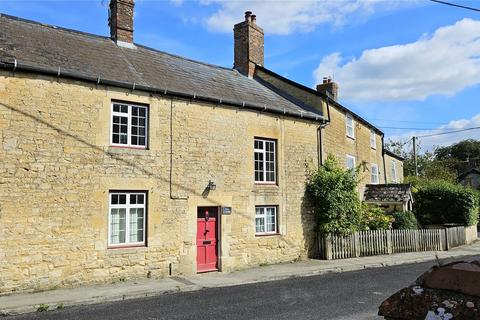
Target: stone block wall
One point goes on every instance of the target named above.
(336, 142)
(57, 168)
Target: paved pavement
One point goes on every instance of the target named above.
(353, 295)
(24, 303)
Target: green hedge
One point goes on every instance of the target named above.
(404, 220)
(440, 202)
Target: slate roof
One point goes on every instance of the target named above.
(97, 57)
(388, 193)
(394, 155)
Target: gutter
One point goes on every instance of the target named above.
(60, 73)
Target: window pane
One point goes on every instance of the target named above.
(116, 108)
(136, 225)
(117, 226)
(259, 225)
(124, 109)
(122, 199)
(114, 198)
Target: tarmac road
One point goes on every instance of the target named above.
(352, 295)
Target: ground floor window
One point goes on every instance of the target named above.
(127, 216)
(266, 220)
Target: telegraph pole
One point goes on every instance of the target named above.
(415, 155)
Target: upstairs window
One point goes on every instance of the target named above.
(350, 126)
(374, 174)
(265, 161)
(394, 171)
(127, 218)
(350, 162)
(373, 139)
(129, 125)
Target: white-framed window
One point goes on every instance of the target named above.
(374, 174)
(350, 126)
(350, 162)
(373, 139)
(127, 218)
(394, 171)
(266, 220)
(129, 125)
(265, 160)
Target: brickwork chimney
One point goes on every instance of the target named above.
(248, 45)
(121, 20)
(329, 88)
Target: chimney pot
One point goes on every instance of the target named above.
(248, 15)
(328, 87)
(254, 18)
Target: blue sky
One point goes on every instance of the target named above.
(402, 64)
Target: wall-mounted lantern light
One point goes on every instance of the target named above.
(211, 185)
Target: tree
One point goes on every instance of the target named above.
(336, 204)
(460, 156)
(429, 167)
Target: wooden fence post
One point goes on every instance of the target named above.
(328, 247)
(357, 244)
(389, 242)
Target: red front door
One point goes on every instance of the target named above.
(207, 239)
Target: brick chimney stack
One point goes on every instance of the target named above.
(329, 88)
(121, 20)
(248, 45)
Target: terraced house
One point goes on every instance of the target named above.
(121, 161)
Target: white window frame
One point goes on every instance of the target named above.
(263, 151)
(375, 174)
(354, 161)
(394, 171)
(373, 139)
(129, 124)
(264, 218)
(127, 208)
(350, 125)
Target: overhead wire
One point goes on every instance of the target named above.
(456, 5)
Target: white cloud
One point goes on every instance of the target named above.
(443, 63)
(286, 17)
(428, 143)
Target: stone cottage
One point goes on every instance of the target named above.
(121, 161)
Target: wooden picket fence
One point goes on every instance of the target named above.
(377, 242)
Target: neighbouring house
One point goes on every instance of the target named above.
(390, 197)
(393, 165)
(122, 161)
(470, 178)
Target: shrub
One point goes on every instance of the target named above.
(374, 218)
(404, 220)
(332, 192)
(440, 202)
